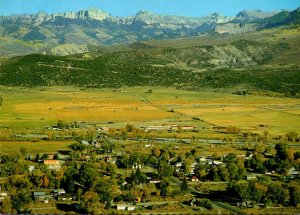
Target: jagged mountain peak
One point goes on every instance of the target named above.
(40, 16)
(92, 13)
(41, 13)
(252, 15)
(96, 13)
(250, 11)
(96, 27)
(215, 14)
(144, 12)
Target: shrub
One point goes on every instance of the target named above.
(232, 130)
(206, 203)
(292, 136)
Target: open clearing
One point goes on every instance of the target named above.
(41, 107)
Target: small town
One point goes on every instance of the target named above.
(151, 169)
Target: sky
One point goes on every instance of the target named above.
(194, 8)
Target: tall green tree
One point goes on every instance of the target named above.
(281, 151)
(184, 185)
(88, 174)
(294, 189)
(20, 199)
(164, 187)
(243, 190)
(165, 170)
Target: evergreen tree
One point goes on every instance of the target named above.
(184, 185)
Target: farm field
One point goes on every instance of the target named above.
(42, 107)
(8, 147)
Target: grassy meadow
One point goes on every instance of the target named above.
(7, 147)
(41, 107)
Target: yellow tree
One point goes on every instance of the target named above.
(6, 207)
(90, 202)
(45, 181)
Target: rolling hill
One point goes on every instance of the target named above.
(261, 62)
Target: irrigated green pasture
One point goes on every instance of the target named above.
(41, 107)
(7, 147)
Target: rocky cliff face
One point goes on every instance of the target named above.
(236, 28)
(41, 17)
(97, 27)
(153, 23)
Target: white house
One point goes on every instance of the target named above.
(59, 191)
(137, 166)
(148, 146)
(194, 179)
(3, 195)
(84, 142)
(154, 181)
(179, 164)
(218, 163)
(31, 168)
(130, 207)
(293, 171)
(251, 176)
(202, 159)
(121, 207)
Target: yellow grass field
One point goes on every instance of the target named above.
(41, 107)
(248, 112)
(36, 108)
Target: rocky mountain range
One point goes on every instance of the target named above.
(73, 32)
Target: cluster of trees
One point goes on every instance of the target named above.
(130, 131)
(89, 182)
(278, 159)
(65, 125)
(20, 185)
(49, 135)
(292, 136)
(87, 176)
(159, 159)
(263, 190)
(233, 169)
(260, 93)
(12, 165)
(232, 130)
(138, 177)
(100, 146)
